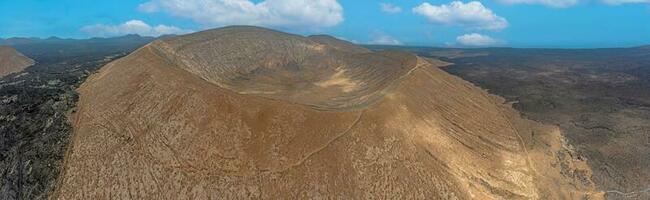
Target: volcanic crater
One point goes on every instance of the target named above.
(247, 113)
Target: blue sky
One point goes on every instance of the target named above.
(517, 23)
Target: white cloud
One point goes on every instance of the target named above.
(569, 3)
(476, 40)
(390, 8)
(470, 15)
(295, 14)
(550, 3)
(383, 39)
(131, 27)
(619, 2)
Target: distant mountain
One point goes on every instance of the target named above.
(56, 40)
(55, 47)
(644, 47)
(12, 61)
(18, 40)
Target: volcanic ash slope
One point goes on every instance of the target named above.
(251, 113)
(12, 61)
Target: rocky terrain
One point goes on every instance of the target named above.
(12, 61)
(35, 105)
(252, 113)
(599, 97)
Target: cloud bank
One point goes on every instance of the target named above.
(292, 14)
(619, 2)
(131, 27)
(549, 3)
(383, 39)
(477, 40)
(471, 15)
(569, 3)
(390, 8)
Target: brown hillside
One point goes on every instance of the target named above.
(338, 44)
(12, 61)
(250, 113)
